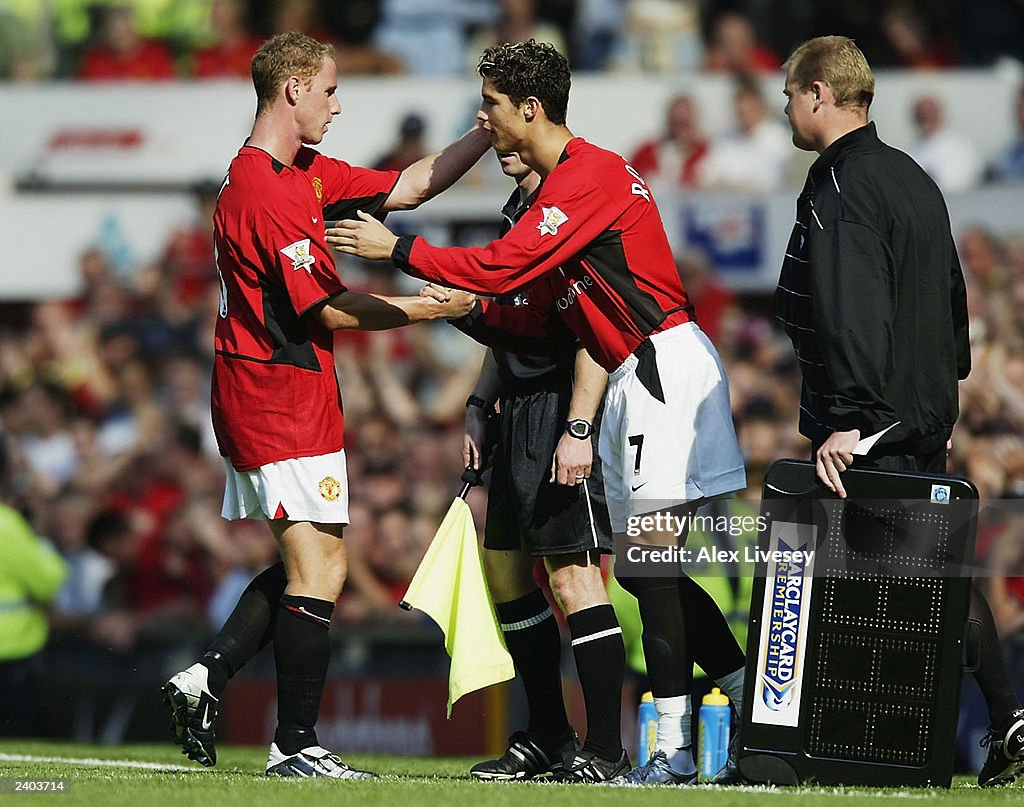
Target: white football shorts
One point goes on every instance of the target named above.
(657, 454)
(304, 489)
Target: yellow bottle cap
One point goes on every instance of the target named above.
(716, 698)
(647, 697)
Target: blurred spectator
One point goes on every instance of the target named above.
(396, 551)
(88, 543)
(121, 53)
(659, 36)
(427, 35)
(596, 33)
(253, 549)
(754, 155)
(709, 298)
(1010, 165)
(65, 352)
(1001, 540)
(27, 50)
(298, 15)
(354, 53)
(949, 157)
(354, 23)
(30, 577)
(517, 22)
(47, 442)
(188, 264)
(234, 42)
(408, 148)
(734, 47)
(981, 254)
(676, 156)
(908, 34)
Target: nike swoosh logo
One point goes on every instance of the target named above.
(315, 219)
(206, 719)
(635, 488)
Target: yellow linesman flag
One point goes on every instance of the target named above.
(449, 587)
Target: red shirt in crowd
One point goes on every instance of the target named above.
(650, 160)
(226, 61)
(150, 60)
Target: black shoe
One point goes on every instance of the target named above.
(524, 759)
(1005, 751)
(730, 773)
(592, 769)
(656, 771)
(193, 714)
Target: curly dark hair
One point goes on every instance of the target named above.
(524, 69)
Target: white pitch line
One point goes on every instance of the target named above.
(99, 763)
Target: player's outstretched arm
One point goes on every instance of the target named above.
(431, 175)
(366, 237)
(353, 310)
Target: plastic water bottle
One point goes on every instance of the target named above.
(647, 729)
(715, 715)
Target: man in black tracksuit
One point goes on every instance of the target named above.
(872, 296)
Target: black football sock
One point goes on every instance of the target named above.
(991, 674)
(669, 665)
(247, 630)
(708, 634)
(533, 640)
(601, 664)
(302, 649)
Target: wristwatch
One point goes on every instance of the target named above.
(579, 428)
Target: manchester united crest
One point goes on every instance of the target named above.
(318, 186)
(330, 488)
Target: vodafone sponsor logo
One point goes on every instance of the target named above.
(577, 288)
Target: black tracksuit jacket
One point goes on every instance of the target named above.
(872, 295)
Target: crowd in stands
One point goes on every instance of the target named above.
(755, 154)
(96, 40)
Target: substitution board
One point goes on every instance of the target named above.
(858, 628)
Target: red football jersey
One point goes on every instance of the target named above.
(275, 392)
(595, 230)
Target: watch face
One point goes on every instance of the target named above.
(579, 428)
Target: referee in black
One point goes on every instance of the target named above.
(546, 500)
(872, 296)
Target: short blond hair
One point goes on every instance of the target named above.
(837, 61)
(288, 54)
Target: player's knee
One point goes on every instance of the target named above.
(323, 580)
(578, 587)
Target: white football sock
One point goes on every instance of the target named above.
(674, 732)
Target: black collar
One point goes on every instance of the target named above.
(864, 138)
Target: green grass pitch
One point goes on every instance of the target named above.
(99, 775)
